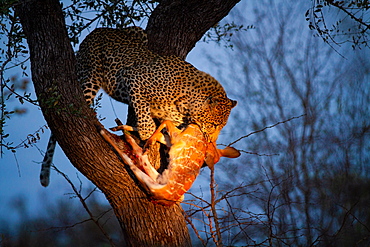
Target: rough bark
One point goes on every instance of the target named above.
(175, 26)
(75, 125)
(61, 100)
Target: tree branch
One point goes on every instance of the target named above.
(175, 26)
(180, 24)
(74, 125)
(352, 16)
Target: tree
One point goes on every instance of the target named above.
(339, 22)
(308, 183)
(173, 28)
(62, 222)
(319, 166)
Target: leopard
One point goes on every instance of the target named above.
(155, 88)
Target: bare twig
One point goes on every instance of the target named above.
(31, 138)
(83, 202)
(258, 154)
(352, 16)
(212, 187)
(3, 84)
(188, 220)
(268, 127)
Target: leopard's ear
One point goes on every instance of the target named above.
(212, 101)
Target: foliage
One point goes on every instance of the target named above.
(338, 22)
(104, 13)
(79, 16)
(64, 223)
(84, 14)
(13, 54)
(223, 33)
(315, 191)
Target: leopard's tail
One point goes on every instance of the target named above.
(46, 163)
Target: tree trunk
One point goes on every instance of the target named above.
(75, 125)
(176, 26)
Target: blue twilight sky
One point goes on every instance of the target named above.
(19, 176)
(19, 173)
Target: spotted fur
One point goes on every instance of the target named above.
(161, 87)
(46, 163)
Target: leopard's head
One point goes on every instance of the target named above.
(214, 115)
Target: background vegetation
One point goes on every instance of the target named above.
(302, 122)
